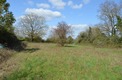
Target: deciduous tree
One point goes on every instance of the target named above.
(62, 31)
(107, 13)
(32, 25)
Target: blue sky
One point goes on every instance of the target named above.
(78, 13)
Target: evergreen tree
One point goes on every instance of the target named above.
(119, 24)
(7, 36)
(6, 17)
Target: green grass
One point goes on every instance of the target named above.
(74, 62)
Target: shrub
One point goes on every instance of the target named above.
(82, 37)
(35, 39)
(38, 39)
(70, 40)
(100, 41)
(113, 41)
(51, 40)
(9, 40)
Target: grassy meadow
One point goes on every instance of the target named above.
(42, 61)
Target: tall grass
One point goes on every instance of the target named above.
(68, 63)
(5, 54)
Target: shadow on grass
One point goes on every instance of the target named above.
(69, 46)
(31, 50)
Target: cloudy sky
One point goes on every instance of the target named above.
(78, 13)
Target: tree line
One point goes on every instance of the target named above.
(32, 27)
(109, 30)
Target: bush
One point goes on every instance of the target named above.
(70, 40)
(9, 40)
(82, 37)
(113, 41)
(36, 39)
(100, 41)
(51, 40)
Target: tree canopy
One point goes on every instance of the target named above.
(62, 31)
(6, 17)
(32, 26)
(7, 36)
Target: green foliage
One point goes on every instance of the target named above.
(82, 37)
(38, 39)
(9, 20)
(9, 40)
(35, 39)
(7, 36)
(119, 24)
(89, 35)
(100, 41)
(103, 41)
(70, 40)
(6, 17)
(95, 36)
(51, 40)
(29, 71)
(114, 40)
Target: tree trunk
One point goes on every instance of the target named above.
(32, 34)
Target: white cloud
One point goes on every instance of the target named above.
(76, 27)
(48, 14)
(59, 4)
(43, 5)
(30, 2)
(79, 28)
(77, 6)
(74, 6)
(86, 1)
(70, 3)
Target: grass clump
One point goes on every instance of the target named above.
(5, 54)
(30, 70)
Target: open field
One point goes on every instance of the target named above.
(74, 62)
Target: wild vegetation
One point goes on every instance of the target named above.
(61, 32)
(108, 31)
(73, 62)
(7, 36)
(96, 54)
(5, 54)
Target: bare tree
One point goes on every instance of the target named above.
(107, 14)
(62, 31)
(32, 25)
